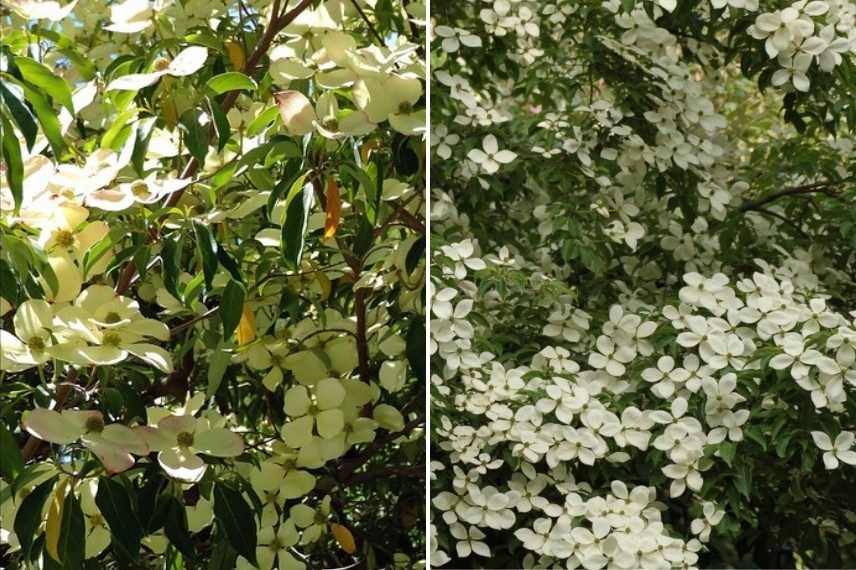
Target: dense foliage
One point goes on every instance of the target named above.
(643, 287)
(211, 284)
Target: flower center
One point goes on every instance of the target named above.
(64, 238)
(275, 545)
(331, 124)
(404, 108)
(140, 189)
(185, 439)
(112, 339)
(161, 63)
(36, 344)
(94, 424)
(112, 317)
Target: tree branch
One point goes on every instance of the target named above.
(819, 187)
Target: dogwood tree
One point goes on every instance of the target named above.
(211, 284)
(642, 290)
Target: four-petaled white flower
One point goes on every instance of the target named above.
(836, 451)
(490, 158)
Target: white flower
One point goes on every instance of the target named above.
(491, 157)
(470, 541)
(113, 443)
(187, 62)
(179, 439)
(839, 450)
(453, 38)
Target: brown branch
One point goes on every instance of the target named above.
(416, 471)
(819, 187)
(347, 469)
(362, 343)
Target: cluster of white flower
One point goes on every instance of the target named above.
(805, 33)
(551, 416)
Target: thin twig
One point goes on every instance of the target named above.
(367, 21)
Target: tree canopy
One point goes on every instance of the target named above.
(642, 287)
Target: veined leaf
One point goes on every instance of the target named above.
(14, 163)
(114, 503)
(208, 250)
(41, 76)
(230, 81)
(294, 228)
(235, 518)
(231, 308)
(29, 515)
(53, 526)
(21, 114)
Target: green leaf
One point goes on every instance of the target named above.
(41, 76)
(292, 181)
(29, 515)
(224, 556)
(294, 228)
(8, 284)
(95, 253)
(12, 463)
(230, 81)
(114, 502)
(175, 528)
(236, 519)
(72, 537)
(218, 362)
(368, 187)
(416, 348)
(47, 119)
(195, 135)
(230, 263)
(113, 138)
(21, 114)
(171, 259)
(727, 451)
(231, 306)
(13, 162)
(261, 122)
(221, 124)
(208, 250)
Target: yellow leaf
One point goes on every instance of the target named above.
(54, 522)
(334, 208)
(236, 55)
(344, 538)
(246, 327)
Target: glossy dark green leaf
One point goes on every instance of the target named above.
(13, 162)
(114, 502)
(171, 261)
(218, 362)
(231, 306)
(47, 119)
(230, 263)
(175, 528)
(8, 284)
(29, 515)
(230, 81)
(294, 228)
(145, 128)
(195, 135)
(415, 348)
(41, 76)
(11, 462)
(224, 556)
(72, 537)
(207, 250)
(235, 518)
(292, 178)
(21, 114)
(221, 124)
